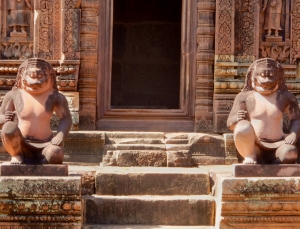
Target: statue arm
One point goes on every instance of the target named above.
(6, 109)
(238, 111)
(28, 4)
(63, 113)
(264, 6)
(293, 113)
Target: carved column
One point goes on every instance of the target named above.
(88, 70)
(295, 33)
(205, 63)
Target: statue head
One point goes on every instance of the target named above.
(36, 76)
(265, 76)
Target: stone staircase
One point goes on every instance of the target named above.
(150, 198)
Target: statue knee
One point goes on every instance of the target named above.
(54, 154)
(243, 129)
(288, 155)
(9, 129)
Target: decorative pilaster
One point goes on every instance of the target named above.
(88, 70)
(205, 63)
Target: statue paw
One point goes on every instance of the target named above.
(249, 161)
(16, 160)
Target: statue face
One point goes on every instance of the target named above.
(265, 80)
(36, 80)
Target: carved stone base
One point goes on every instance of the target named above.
(40, 225)
(162, 149)
(266, 170)
(42, 202)
(257, 202)
(7, 169)
(17, 36)
(273, 39)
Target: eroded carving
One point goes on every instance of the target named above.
(17, 18)
(272, 10)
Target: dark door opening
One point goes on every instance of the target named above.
(146, 54)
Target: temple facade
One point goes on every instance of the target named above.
(150, 66)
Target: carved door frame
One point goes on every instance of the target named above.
(181, 119)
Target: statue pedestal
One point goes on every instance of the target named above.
(273, 39)
(7, 169)
(240, 170)
(39, 201)
(17, 37)
(252, 202)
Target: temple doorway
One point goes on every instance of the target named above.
(146, 52)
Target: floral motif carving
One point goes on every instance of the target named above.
(57, 29)
(295, 52)
(224, 37)
(71, 42)
(244, 31)
(204, 124)
(45, 39)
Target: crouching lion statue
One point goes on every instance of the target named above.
(257, 116)
(26, 112)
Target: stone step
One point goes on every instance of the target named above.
(144, 227)
(154, 210)
(152, 181)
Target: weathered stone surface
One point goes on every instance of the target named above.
(90, 4)
(180, 159)
(208, 160)
(80, 144)
(194, 210)
(87, 174)
(177, 147)
(230, 150)
(141, 158)
(144, 227)
(207, 145)
(21, 208)
(134, 146)
(177, 141)
(7, 169)
(40, 202)
(281, 170)
(182, 149)
(230, 160)
(148, 181)
(257, 202)
(176, 136)
(22, 225)
(37, 187)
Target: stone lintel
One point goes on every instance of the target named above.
(7, 169)
(291, 170)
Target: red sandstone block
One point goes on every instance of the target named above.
(7, 169)
(241, 170)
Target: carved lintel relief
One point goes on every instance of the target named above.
(205, 63)
(275, 36)
(16, 23)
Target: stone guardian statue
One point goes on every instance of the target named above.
(257, 114)
(33, 99)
